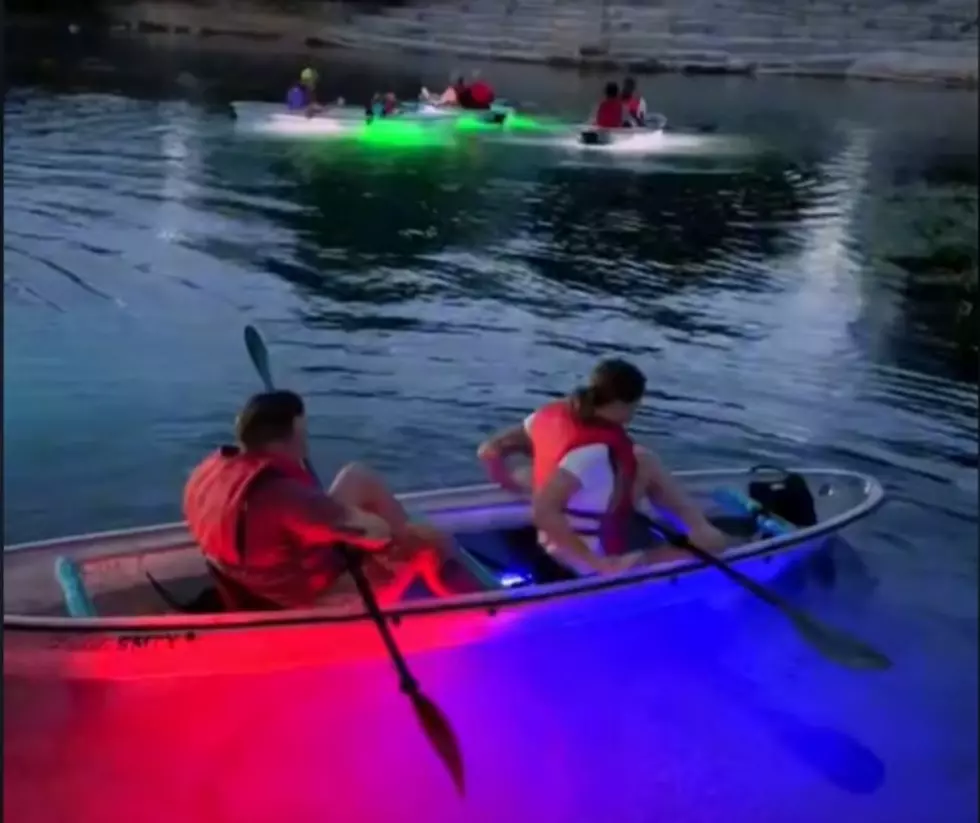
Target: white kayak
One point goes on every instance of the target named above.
(593, 136)
(83, 607)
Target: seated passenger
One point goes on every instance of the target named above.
(301, 98)
(611, 113)
(587, 475)
(450, 97)
(478, 95)
(382, 105)
(636, 106)
(262, 521)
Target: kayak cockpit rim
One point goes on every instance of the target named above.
(491, 601)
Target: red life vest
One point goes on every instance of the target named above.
(481, 95)
(272, 567)
(633, 106)
(555, 431)
(609, 114)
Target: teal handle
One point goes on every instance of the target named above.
(73, 587)
(738, 504)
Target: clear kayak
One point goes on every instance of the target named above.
(50, 631)
(275, 118)
(116, 707)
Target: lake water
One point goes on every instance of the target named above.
(423, 296)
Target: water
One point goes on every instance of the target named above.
(423, 297)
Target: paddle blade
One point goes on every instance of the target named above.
(441, 737)
(839, 646)
(259, 355)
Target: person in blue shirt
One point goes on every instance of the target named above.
(302, 96)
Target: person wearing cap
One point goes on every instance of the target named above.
(263, 523)
(302, 96)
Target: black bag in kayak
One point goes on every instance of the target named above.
(784, 494)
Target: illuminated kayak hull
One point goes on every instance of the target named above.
(273, 118)
(595, 137)
(140, 714)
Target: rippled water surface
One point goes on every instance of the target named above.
(424, 296)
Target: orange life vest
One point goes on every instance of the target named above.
(555, 431)
(272, 566)
(632, 105)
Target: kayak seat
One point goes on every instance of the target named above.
(226, 595)
(69, 577)
(516, 554)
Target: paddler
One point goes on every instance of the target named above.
(611, 113)
(450, 97)
(478, 95)
(302, 96)
(588, 475)
(263, 523)
(382, 105)
(636, 106)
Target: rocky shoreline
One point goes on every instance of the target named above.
(938, 48)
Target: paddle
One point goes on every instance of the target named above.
(832, 643)
(433, 721)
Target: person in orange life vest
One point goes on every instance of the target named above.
(587, 476)
(261, 519)
(636, 106)
(611, 113)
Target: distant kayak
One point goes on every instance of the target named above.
(596, 136)
(275, 118)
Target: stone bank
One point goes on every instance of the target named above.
(910, 40)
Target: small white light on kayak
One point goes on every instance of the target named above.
(508, 581)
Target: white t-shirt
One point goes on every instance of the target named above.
(592, 465)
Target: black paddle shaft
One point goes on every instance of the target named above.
(408, 683)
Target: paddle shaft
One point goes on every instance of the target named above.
(260, 359)
(833, 644)
(680, 541)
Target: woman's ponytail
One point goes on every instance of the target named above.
(583, 401)
(611, 381)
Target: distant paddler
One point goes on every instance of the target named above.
(477, 95)
(636, 106)
(450, 97)
(302, 96)
(382, 105)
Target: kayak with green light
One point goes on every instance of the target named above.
(273, 118)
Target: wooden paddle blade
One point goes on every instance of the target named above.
(259, 355)
(839, 646)
(441, 736)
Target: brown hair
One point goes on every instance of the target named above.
(268, 418)
(611, 381)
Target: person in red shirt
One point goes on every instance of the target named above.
(587, 477)
(611, 113)
(262, 521)
(477, 95)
